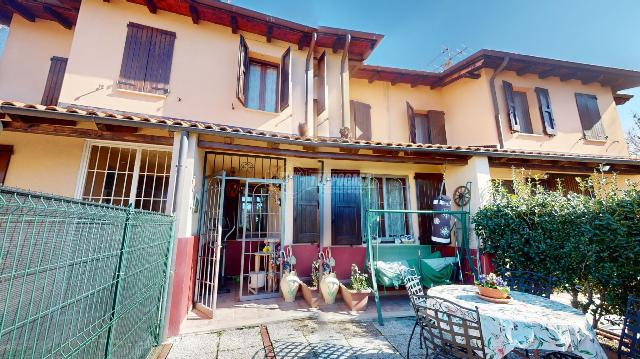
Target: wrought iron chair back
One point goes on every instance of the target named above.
(629, 344)
(530, 282)
(414, 288)
(455, 331)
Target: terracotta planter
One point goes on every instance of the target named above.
(356, 301)
(311, 295)
(492, 293)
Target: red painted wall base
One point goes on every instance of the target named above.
(183, 283)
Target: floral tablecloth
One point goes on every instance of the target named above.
(527, 322)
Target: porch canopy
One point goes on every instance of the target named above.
(111, 125)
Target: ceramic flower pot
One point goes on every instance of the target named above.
(492, 293)
(355, 300)
(289, 285)
(329, 286)
(311, 295)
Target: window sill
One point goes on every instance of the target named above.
(529, 135)
(594, 142)
(260, 111)
(141, 94)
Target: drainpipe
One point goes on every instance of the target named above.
(344, 71)
(321, 185)
(494, 97)
(310, 129)
(183, 146)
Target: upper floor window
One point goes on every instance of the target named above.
(146, 63)
(361, 120)
(520, 116)
(263, 85)
(590, 117)
(428, 127)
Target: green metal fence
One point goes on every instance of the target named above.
(79, 279)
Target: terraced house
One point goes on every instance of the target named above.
(258, 132)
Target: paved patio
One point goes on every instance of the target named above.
(304, 338)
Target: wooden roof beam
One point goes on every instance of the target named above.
(591, 79)
(234, 24)
(195, 14)
(338, 43)
(373, 77)
(524, 70)
(548, 73)
(568, 76)
(396, 80)
(57, 17)
(151, 5)
(302, 41)
(269, 34)
(21, 10)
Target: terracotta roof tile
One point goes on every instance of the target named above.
(253, 133)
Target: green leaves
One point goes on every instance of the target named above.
(588, 241)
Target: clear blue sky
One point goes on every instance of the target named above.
(592, 31)
(601, 32)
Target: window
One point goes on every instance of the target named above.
(361, 120)
(262, 85)
(322, 83)
(521, 104)
(590, 117)
(120, 176)
(426, 127)
(54, 81)
(146, 63)
(5, 155)
(389, 193)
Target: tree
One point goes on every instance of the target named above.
(633, 136)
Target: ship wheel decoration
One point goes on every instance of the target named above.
(462, 196)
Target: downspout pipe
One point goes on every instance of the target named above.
(308, 103)
(494, 97)
(183, 146)
(344, 67)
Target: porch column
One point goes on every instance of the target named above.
(477, 172)
(182, 180)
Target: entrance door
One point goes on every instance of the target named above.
(261, 228)
(209, 246)
(427, 189)
(345, 207)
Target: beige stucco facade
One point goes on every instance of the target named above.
(24, 65)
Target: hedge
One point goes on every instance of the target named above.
(590, 243)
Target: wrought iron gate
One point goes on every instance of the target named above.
(210, 244)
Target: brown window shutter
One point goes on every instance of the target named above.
(411, 117)
(437, 127)
(243, 68)
(322, 83)
(590, 117)
(306, 199)
(285, 71)
(134, 60)
(346, 191)
(53, 86)
(5, 155)
(544, 102)
(361, 120)
(160, 58)
(511, 106)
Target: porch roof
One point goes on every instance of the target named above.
(506, 157)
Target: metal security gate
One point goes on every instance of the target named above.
(210, 243)
(262, 214)
(80, 279)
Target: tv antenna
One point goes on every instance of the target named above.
(449, 57)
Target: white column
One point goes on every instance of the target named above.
(477, 172)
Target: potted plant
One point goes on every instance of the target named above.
(356, 295)
(311, 293)
(492, 286)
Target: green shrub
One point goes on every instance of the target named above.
(589, 243)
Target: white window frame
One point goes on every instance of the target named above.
(407, 198)
(86, 154)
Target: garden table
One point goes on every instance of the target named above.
(527, 322)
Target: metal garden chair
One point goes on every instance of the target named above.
(454, 331)
(629, 344)
(560, 355)
(414, 288)
(529, 282)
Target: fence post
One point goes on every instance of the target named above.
(121, 258)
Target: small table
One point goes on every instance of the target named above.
(527, 322)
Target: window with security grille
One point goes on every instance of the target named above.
(388, 193)
(121, 175)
